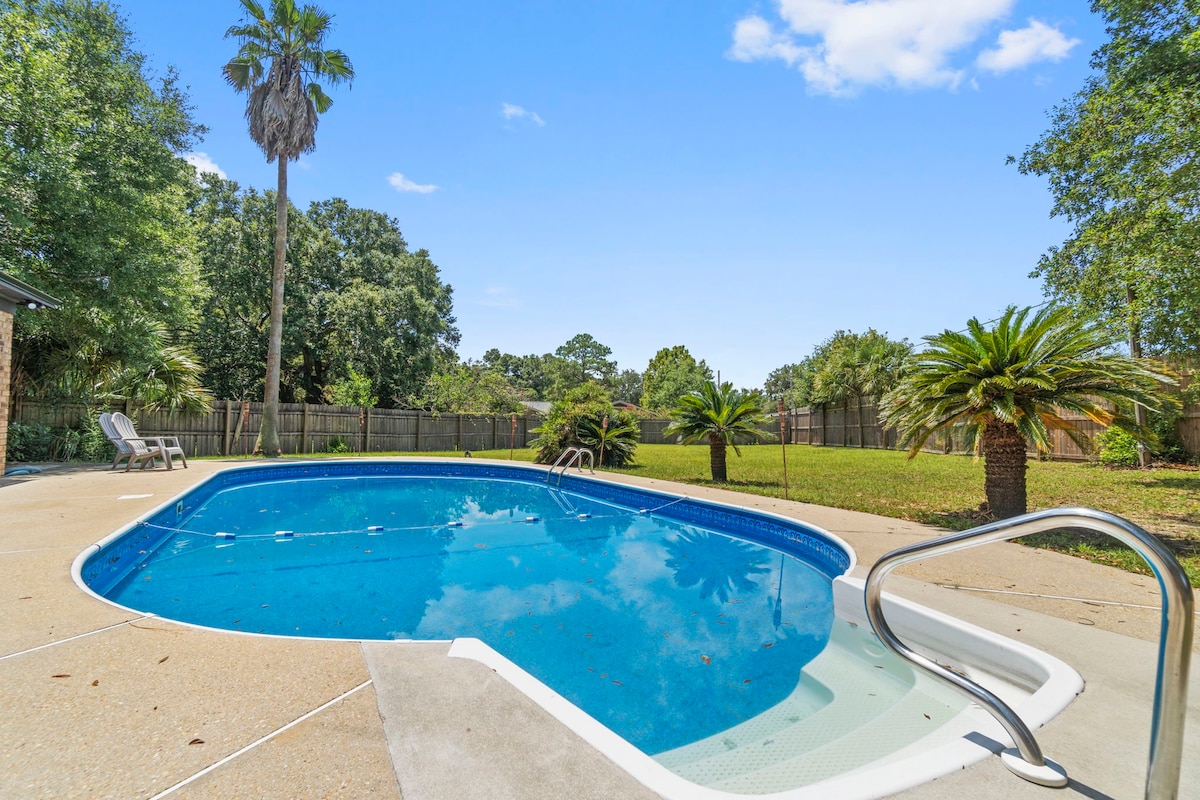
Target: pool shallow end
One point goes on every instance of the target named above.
(1037, 685)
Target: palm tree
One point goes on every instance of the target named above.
(279, 58)
(1011, 384)
(722, 415)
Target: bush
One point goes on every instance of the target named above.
(578, 421)
(93, 442)
(1118, 448)
(337, 445)
(354, 390)
(30, 441)
(36, 441)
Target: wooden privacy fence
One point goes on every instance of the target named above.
(855, 423)
(232, 428)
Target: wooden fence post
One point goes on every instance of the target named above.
(862, 439)
(458, 441)
(304, 430)
(417, 444)
(228, 428)
(367, 431)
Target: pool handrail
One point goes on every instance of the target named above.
(1175, 638)
(572, 457)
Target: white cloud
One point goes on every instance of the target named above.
(754, 40)
(1035, 42)
(500, 297)
(509, 111)
(203, 163)
(403, 184)
(841, 46)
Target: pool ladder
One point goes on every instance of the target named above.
(1174, 647)
(572, 457)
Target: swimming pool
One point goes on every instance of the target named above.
(703, 635)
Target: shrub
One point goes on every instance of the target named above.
(337, 445)
(578, 421)
(354, 390)
(1118, 448)
(37, 441)
(30, 441)
(93, 443)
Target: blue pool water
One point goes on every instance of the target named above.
(665, 630)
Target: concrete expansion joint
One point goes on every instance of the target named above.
(262, 740)
(1085, 600)
(78, 636)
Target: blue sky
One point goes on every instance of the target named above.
(743, 178)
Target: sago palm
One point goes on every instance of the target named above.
(279, 60)
(722, 415)
(1010, 385)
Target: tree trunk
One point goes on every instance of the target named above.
(1004, 468)
(1135, 351)
(716, 457)
(268, 435)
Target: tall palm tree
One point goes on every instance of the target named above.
(1010, 385)
(722, 415)
(279, 60)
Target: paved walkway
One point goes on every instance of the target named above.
(103, 703)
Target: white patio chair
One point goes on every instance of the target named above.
(146, 448)
(124, 449)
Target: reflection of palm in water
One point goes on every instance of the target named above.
(719, 565)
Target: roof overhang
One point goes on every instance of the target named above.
(15, 293)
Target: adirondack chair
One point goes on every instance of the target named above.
(124, 449)
(142, 449)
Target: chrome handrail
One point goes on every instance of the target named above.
(1174, 647)
(572, 456)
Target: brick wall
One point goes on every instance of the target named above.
(6, 351)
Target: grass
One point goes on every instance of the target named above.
(946, 491)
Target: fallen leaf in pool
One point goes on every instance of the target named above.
(706, 659)
(196, 741)
(61, 675)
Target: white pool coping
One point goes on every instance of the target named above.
(1037, 685)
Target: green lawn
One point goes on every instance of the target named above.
(947, 491)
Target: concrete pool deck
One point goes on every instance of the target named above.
(100, 702)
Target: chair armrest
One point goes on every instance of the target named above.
(153, 440)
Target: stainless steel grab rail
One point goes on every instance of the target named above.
(570, 457)
(1174, 647)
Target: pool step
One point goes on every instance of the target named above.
(874, 712)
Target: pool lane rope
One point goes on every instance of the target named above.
(376, 530)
